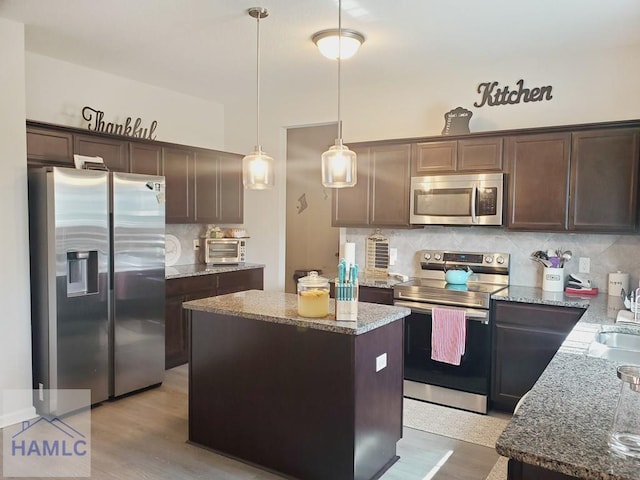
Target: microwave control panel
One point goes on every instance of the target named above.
(487, 201)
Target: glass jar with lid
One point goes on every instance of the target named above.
(313, 296)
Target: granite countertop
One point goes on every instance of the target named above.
(563, 423)
(278, 307)
(192, 270)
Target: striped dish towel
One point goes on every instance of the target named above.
(448, 335)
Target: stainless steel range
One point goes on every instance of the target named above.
(464, 386)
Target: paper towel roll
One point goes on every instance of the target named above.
(349, 253)
(618, 281)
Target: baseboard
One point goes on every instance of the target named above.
(18, 416)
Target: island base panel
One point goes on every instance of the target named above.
(523, 471)
(296, 400)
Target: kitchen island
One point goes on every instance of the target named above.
(562, 427)
(313, 399)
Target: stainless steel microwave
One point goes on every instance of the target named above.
(457, 199)
(221, 251)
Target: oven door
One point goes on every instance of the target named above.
(473, 373)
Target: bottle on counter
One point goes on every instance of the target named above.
(313, 296)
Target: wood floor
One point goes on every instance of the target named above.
(144, 437)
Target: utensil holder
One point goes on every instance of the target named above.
(553, 279)
(347, 301)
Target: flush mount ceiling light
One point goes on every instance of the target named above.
(327, 42)
(339, 163)
(257, 167)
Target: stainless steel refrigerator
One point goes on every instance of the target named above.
(97, 282)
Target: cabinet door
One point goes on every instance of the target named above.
(350, 206)
(115, 153)
(145, 159)
(538, 168)
(434, 157)
(49, 147)
(176, 338)
(604, 180)
(524, 354)
(480, 154)
(177, 168)
(207, 188)
(390, 182)
(375, 295)
(231, 196)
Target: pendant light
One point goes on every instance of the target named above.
(257, 167)
(339, 163)
(331, 43)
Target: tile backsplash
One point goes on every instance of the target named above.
(186, 233)
(607, 253)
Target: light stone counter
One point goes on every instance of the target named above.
(195, 269)
(563, 423)
(278, 307)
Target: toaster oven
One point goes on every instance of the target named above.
(223, 251)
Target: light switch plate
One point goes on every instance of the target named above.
(381, 362)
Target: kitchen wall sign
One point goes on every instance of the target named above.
(456, 121)
(493, 96)
(130, 128)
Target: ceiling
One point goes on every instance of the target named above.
(207, 48)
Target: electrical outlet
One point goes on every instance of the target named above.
(393, 256)
(584, 266)
(196, 244)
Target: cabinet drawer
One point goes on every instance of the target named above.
(191, 285)
(542, 317)
(230, 282)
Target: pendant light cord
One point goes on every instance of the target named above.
(258, 83)
(339, 65)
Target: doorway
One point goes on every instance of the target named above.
(312, 243)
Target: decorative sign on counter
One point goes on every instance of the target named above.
(504, 96)
(130, 128)
(456, 121)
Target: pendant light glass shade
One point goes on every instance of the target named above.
(258, 167)
(339, 163)
(257, 170)
(339, 166)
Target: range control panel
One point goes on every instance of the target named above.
(437, 259)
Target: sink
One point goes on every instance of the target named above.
(621, 347)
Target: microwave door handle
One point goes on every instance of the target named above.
(474, 193)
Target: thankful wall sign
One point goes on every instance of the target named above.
(130, 127)
(492, 94)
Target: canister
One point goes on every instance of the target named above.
(553, 279)
(618, 281)
(313, 296)
(625, 432)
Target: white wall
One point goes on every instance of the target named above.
(587, 87)
(15, 321)
(57, 91)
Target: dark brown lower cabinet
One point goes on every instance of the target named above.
(525, 339)
(304, 402)
(179, 290)
(370, 294)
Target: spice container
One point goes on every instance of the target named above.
(625, 432)
(313, 296)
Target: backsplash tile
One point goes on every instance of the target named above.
(608, 253)
(186, 233)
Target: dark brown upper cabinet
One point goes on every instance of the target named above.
(218, 189)
(114, 153)
(49, 147)
(457, 156)
(177, 168)
(604, 180)
(538, 171)
(381, 196)
(145, 158)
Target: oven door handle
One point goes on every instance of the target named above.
(427, 308)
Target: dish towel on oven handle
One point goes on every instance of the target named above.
(448, 335)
